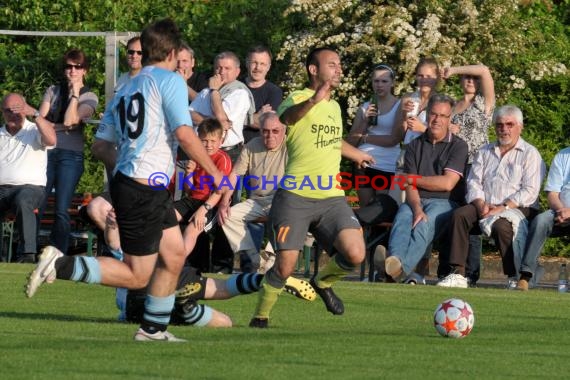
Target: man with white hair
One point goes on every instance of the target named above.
(502, 193)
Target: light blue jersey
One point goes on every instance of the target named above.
(141, 120)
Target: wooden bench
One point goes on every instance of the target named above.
(80, 231)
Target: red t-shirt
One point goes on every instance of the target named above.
(202, 181)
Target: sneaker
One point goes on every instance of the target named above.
(260, 323)
(415, 279)
(267, 260)
(143, 336)
(522, 284)
(45, 270)
(300, 289)
(512, 283)
(332, 302)
(393, 267)
(380, 259)
(453, 280)
(189, 290)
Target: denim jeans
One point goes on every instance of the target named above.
(64, 170)
(408, 244)
(22, 200)
(541, 228)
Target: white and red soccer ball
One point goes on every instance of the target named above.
(454, 318)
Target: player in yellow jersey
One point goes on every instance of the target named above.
(311, 199)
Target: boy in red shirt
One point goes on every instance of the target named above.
(196, 206)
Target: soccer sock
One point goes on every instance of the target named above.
(79, 268)
(157, 313)
(243, 283)
(271, 286)
(196, 314)
(336, 269)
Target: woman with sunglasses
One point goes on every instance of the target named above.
(66, 105)
(471, 120)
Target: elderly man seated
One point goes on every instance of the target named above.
(263, 160)
(435, 163)
(23, 163)
(502, 192)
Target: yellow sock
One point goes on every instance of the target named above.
(330, 274)
(267, 298)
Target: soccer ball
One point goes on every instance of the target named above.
(454, 318)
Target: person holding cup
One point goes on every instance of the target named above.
(373, 129)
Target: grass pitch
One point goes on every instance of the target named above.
(69, 331)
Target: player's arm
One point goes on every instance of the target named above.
(354, 154)
(105, 151)
(296, 112)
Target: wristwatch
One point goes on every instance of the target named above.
(207, 206)
(506, 206)
(36, 114)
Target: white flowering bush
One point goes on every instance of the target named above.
(497, 33)
(525, 44)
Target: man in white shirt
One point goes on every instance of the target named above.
(23, 163)
(502, 192)
(555, 222)
(227, 100)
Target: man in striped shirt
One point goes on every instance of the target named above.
(502, 192)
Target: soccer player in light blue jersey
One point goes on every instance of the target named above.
(147, 120)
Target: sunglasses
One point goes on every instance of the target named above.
(76, 66)
(133, 52)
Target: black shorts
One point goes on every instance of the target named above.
(293, 215)
(187, 206)
(142, 213)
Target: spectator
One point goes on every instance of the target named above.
(315, 145)
(383, 109)
(263, 159)
(267, 95)
(134, 61)
(470, 121)
(502, 192)
(554, 222)
(414, 105)
(65, 105)
(434, 163)
(227, 100)
(197, 207)
(23, 163)
(195, 81)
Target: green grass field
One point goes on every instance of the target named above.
(68, 331)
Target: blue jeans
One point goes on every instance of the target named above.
(408, 244)
(541, 228)
(64, 170)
